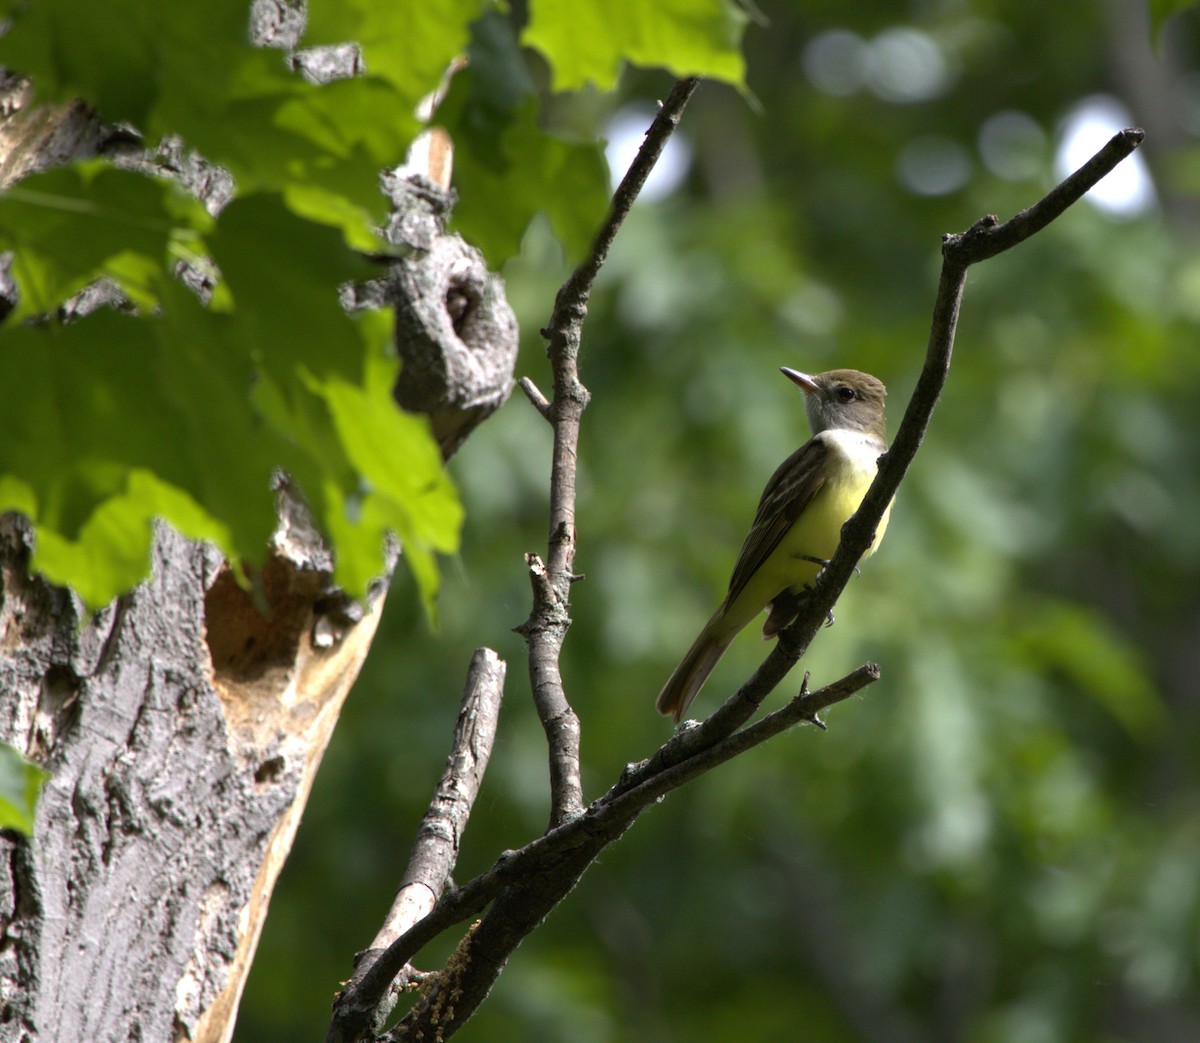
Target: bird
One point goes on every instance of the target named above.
(799, 520)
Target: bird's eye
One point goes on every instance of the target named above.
(846, 394)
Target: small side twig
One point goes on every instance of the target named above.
(536, 398)
(609, 816)
(435, 851)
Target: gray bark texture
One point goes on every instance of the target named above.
(122, 916)
(182, 725)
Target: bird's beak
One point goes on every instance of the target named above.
(801, 380)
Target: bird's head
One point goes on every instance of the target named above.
(844, 399)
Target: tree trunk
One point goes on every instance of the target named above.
(182, 728)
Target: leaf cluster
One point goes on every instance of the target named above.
(180, 410)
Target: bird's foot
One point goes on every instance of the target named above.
(824, 563)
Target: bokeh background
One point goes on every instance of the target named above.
(1000, 840)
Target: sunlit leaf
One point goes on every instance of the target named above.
(587, 42)
(68, 226)
(508, 156)
(404, 488)
(20, 784)
(409, 45)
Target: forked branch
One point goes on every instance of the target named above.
(551, 578)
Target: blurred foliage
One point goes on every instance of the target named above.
(997, 842)
(1161, 10)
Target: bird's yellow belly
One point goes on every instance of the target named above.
(815, 534)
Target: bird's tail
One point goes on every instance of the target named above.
(689, 676)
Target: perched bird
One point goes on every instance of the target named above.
(799, 521)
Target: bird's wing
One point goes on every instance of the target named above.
(789, 491)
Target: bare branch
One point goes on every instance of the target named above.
(543, 873)
(643, 785)
(524, 885)
(365, 1002)
(544, 632)
(436, 849)
(549, 619)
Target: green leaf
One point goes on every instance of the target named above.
(92, 452)
(533, 172)
(504, 154)
(1161, 10)
(112, 552)
(185, 412)
(152, 66)
(321, 394)
(17, 495)
(404, 489)
(283, 273)
(587, 41)
(105, 53)
(20, 784)
(78, 411)
(207, 376)
(409, 45)
(69, 226)
(113, 421)
(288, 132)
(332, 208)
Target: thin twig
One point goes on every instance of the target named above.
(669, 773)
(436, 848)
(986, 237)
(535, 396)
(546, 627)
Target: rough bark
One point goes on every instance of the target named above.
(183, 725)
